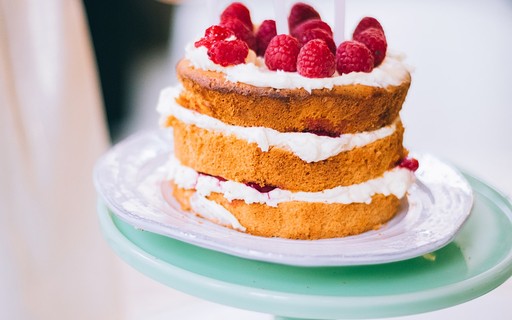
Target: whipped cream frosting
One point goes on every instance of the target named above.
(394, 182)
(307, 146)
(213, 211)
(391, 72)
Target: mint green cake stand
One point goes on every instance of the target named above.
(477, 261)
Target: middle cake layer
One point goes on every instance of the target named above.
(235, 159)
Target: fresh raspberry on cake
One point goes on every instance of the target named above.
(241, 31)
(316, 60)
(317, 33)
(375, 40)
(213, 34)
(409, 163)
(266, 32)
(238, 11)
(353, 56)
(228, 52)
(310, 24)
(282, 52)
(366, 23)
(301, 12)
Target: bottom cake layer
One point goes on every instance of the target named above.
(294, 219)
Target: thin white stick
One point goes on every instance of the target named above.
(339, 21)
(281, 18)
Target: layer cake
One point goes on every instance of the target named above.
(286, 154)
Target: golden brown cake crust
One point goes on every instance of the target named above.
(304, 220)
(235, 159)
(343, 109)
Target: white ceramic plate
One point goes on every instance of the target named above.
(129, 180)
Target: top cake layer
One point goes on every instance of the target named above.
(348, 108)
(297, 83)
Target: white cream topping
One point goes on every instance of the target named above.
(307, 146)
(213, 211)
(394, 182)
(392, 72)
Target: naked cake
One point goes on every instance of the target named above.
(285, 135)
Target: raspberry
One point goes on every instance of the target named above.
(375, 40)
(282, 52)
(317, 33)
(238, 11)
(353, 56)
(409, 163)
(226, 53)
(241, 31)
(365, 23)
(310, 24)
(213, 34)
(316, 60)
(299, 13)
(262, 189)
(266, 32)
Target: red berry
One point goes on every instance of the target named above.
(213, 34)
(409, 163)
(238, 11)
(226, 52)
(282, 52)
(353, 56)
(310, 24)
(365, 23)
(241, 31)
(316, 60)
(266, 32)
(299, 13)
(375, 40)
(262, 189)
(317, 33)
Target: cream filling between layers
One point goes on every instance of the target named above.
(391, 72)
(213, 211)
(393, 182)
(307, 146)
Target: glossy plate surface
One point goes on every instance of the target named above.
(129, 180)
